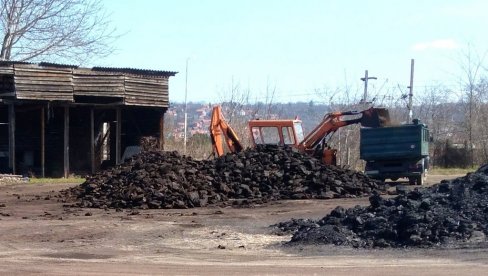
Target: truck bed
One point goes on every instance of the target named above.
(394, 142)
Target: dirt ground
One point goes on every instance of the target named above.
(41, 236)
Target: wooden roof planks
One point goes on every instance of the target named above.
(88, 83)
(53, 82)
(39, 83)
(146, 92)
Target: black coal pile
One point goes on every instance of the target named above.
(282, 173)
(168, 180)
(150, 180)
(447, 214)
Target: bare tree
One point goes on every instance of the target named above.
(471, 65)
(264, 105)
(345, 140)
(70, 30)
(234, 99)
(235, 102)
(482, 117)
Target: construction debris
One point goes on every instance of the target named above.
(449, 213)
(168, 180)
(12, 178)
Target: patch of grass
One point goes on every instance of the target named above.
(78, 180)
(451, 171)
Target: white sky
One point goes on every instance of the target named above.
(297, 46)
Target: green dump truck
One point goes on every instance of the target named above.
(394, 152)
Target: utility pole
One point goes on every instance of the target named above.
(186, 107)
(365, 79)
(410, 93)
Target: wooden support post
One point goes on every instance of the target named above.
(118, 131)
(161, 131)
(43, 142)
(11, 137)
(92, 139)
(66, 142)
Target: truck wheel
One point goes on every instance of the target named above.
(411, 180)
(420, 180)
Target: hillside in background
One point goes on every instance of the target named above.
(446, 121)
(199, 115)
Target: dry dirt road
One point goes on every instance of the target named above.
(40, 236)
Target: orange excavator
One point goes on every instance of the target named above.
(221, 131)
(290, 132)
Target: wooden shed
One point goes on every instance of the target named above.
(60, 119)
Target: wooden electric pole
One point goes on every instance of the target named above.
(365, 79)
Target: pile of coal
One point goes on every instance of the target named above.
(149, 143)
(447, 214)
(169, 180)
(282, 173)
(150, 180)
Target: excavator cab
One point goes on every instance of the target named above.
(276, 132)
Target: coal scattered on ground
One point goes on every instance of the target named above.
(451, 213)
(293, 225)
(169, 180)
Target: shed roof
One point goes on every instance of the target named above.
(71, 83)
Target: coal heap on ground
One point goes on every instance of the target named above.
(169, 180)
(447, 214)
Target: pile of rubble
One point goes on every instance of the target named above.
(169, 180)
(449, 213)
(12, 179)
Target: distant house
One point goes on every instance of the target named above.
(60, 119)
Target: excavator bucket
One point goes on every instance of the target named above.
(375, 117)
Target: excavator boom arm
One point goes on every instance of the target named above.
(221, 131)
(329, 124)
(372, 117)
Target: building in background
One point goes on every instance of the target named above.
(60, 119)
